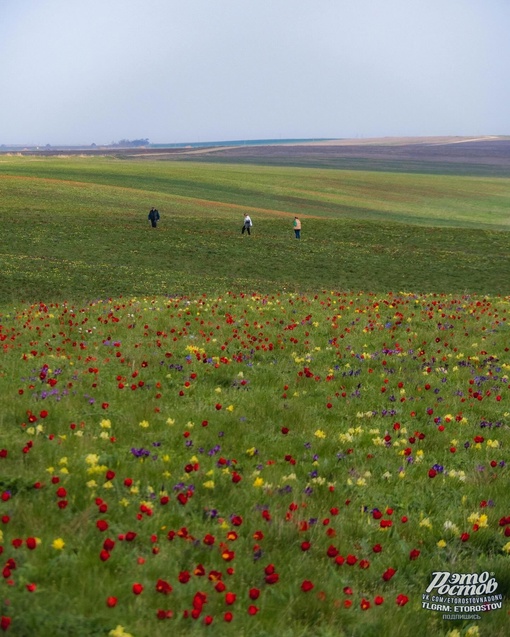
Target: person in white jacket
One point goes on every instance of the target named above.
(247, 225)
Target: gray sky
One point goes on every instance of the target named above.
(84, 71)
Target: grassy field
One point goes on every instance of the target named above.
(78, 228)
(255, 465)
(210, 434)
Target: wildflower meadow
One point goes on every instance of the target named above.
(250, 464)
(210, 434)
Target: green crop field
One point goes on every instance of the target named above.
(77, 228)
(204, 433)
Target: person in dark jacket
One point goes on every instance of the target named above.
(154, 217)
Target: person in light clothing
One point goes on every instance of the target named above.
(297, 228)
(247, 224)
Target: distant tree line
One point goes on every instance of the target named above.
(130, 143)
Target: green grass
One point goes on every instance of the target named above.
(408, 198)
(375, 351)
(286, 391)
(77, 228)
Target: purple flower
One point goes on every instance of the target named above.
(140, 453)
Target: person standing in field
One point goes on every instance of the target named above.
(247, 224)
(297, 228)
(154, 217)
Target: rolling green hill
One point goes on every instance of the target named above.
(78, 227)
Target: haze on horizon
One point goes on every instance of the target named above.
(96, 71)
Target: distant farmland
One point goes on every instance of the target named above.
(485, 156)
(481, 156)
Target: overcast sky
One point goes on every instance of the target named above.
(84, 71)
